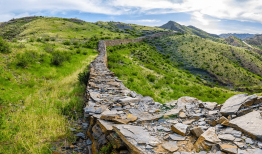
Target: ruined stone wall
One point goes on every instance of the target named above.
(132, 124)
(104, 92)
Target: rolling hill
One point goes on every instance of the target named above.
(190, 30)
(255, 41)
(132, 29)
(240, 36)
(215, 62)
(234, 41)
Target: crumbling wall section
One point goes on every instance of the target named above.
(102, 93)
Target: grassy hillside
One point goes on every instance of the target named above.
(57, 28)
(132, 29)
(40, 93)
(240, 36)
(255, 41)
(150, 73)
(234, 41)
(212, 61)
(190, 30)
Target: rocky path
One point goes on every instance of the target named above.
(134, 124)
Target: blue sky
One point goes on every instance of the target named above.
(219, 16)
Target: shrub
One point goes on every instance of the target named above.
(85, 53)
(31, 40)
(21, 45)
(75, 43)
(49, 48)
(83, 77)
(53, 39)
(71, 48)
(4, 46)
(92, 43)
(38, 40)
(78, 51)
(29, 57)
(14, 40)
(59, 57)
(151, 77)
(67, 42)
(47, 39)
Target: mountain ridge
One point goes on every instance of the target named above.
(172, 25)
(238, 35)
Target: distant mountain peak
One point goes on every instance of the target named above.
(238, 35)
(172, 25)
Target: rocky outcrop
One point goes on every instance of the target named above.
(132, 123)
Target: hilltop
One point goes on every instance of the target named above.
(190, 30)
(133, 29)
(255, 41)
(234, 41)
(240, 36)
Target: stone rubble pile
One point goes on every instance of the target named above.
(134, 124)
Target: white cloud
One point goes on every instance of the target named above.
(242, 10)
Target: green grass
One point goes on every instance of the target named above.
(232, 66)
(38, 98)
(40, 94)
(149, 73)
(132, 29)
(63, 28)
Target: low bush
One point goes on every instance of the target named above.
(49, 48)
(38, 40)
(84, 52)
(75, 43)
(78, 51)
(151, 77)
(83, 77)
(67, 42)
(4, 46)
(59, 57)
(92, 43)
(31, 40)
(27, 58)
(47, 39)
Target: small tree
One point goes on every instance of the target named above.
(4, 46)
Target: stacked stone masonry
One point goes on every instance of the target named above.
(134, 124)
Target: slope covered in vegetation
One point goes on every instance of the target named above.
(190, 30)
(255, 41)
(150, 73)
(40, 63)
(234, 41)
(132, 29)
(240, 36)
(228, 65)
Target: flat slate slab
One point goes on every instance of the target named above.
(233, 104)
(135, 137)
(250, 124)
